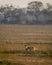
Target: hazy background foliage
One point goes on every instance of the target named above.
(35, 13)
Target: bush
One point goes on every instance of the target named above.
(6, 62)
(49, 53)
(1, 62)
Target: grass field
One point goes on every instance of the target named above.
(25, 60)
(15, 37)
(21, 46)
(25, 33)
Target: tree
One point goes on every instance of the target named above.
(48, 13)
(49, 7)
(35, 7)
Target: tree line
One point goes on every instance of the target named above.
(35, 13)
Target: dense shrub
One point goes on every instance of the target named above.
(6, 62)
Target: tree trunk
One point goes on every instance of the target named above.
(37, 21)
